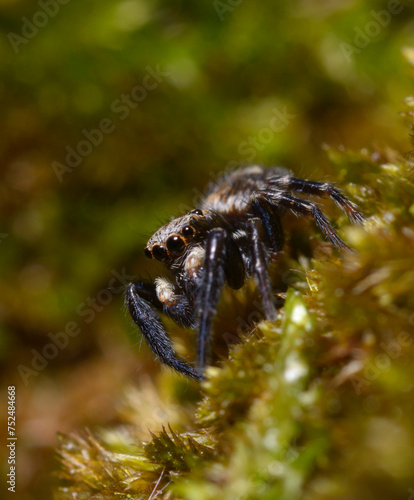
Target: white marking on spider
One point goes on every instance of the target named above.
(240, 234)
(165, 292)
(194, 262)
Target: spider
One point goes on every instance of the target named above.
(233, 234)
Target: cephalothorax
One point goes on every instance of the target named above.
(233, 234)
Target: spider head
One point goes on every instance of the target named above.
(172, 240)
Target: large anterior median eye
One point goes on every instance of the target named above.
(175, 245)
(159, 252)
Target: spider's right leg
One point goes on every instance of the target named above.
(139, 298)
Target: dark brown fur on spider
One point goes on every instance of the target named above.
(234, 233)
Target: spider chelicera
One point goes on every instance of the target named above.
(233, 234)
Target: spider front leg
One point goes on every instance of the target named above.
(140, 298)
(222, 262)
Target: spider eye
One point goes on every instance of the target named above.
(175, 245)
(148, 253)
(197, 211)
(159, 252)
(188, 231)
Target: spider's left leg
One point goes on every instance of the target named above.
(321, 189)
(309, 209)
(222, 261)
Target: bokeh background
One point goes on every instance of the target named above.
(222, 74)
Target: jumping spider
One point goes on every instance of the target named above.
(234, 234)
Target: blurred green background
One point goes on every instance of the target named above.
(187, 89)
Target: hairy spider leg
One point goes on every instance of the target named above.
(259, 267)
(270, 218)
(212, 283)
(139, 297)
(309, 209)
(234, 266)
(179, 309)
(321, 189)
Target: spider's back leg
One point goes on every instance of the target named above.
(308, 209)
(320, 189)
